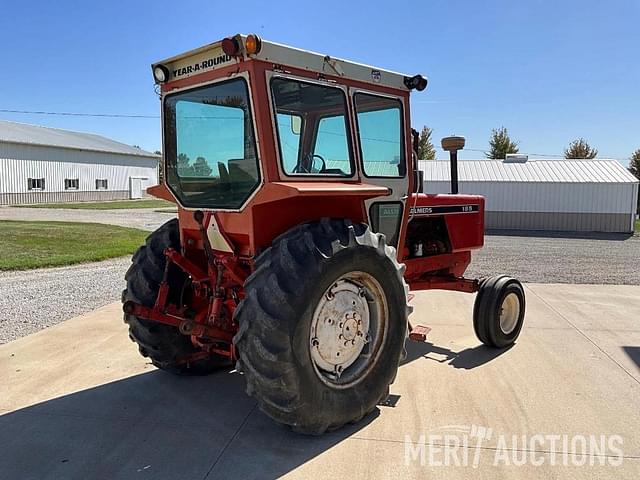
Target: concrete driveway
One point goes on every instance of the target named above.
(78, 402)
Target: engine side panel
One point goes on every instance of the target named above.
(462, 215)
(441, 232)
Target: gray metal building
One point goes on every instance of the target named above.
(557, 195)
(42, 164)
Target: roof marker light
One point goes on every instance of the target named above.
(252, 44)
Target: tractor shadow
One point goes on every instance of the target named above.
(159, 426)
(155, 425)
(466, 359)
(633, 353)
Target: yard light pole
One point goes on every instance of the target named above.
(452, 145)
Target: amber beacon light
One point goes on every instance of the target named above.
(252, 44)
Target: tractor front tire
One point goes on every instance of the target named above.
(498, 311)
(322, 290)
(164, 345)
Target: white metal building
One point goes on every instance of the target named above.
(42, 164)
(558, 195)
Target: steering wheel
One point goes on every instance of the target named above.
(324, 164)
(300, 169)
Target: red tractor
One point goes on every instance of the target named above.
(301, 229)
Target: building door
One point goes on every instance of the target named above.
(135, 187)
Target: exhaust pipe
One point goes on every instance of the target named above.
(452, 145)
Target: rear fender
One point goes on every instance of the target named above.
(162, 192)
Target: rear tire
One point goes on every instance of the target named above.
(284, 300)
(498, 312)
(163, 344)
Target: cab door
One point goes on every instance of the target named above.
(380, 139)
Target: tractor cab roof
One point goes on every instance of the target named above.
(241, 48)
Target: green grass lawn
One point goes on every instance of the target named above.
(114, 205)
(25, 245)
(637, 225)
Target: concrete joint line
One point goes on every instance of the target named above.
(583, 334)
(233, 437)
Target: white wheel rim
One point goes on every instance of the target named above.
(347, 329)
(509, 313)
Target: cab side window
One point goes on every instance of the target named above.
(380, 131)
(289, 133)
(331, 145)
(312, 128)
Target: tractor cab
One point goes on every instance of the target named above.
(301, 229)
(251, 125)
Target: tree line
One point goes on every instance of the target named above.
(501, 144)
(200, 167)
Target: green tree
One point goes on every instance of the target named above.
(634, 163)
(500, 144)
(426, 151)
(201, 168)
(183, 167)
(580, 149)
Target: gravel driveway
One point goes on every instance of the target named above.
(604, 259)
(143, 218)
(35, 299)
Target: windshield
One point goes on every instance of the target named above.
(210, 146)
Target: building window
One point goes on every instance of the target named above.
(35, 183)
(71, 184)
(101, 184)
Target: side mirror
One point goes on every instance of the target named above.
(415, 141)
(296, 124)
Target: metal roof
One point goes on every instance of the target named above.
(13, 132)
(548, 171)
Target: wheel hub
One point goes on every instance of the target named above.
(509, 313)
(340, 327)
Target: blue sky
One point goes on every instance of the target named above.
(550, 71)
